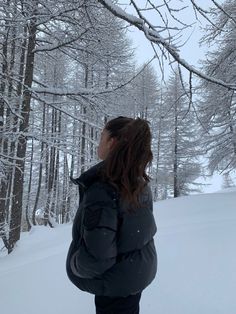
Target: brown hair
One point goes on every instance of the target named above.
(126, 164)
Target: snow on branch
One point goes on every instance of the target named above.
(154, 37)
(220, 7)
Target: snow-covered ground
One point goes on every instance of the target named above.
(196, 264)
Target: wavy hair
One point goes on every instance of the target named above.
(125, 167)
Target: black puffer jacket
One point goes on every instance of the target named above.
(112, 251)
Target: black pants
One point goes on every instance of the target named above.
(126, 305)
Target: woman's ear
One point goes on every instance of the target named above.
(112, 142)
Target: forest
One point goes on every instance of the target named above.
(67, 67)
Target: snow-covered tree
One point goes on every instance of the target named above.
(62, 65)
(218, 104)
(227, 181)
(179, 135)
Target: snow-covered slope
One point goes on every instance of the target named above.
(196, 269)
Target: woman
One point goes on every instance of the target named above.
(112, 254)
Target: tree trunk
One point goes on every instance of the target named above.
(51, 169)
(72, 166)
(29, 188)
(40, 172)
(175, 166)
(3, 181)
(64, 203)
(83, 129)
(16, 213)
(155, 194)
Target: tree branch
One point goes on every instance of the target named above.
(153, 36)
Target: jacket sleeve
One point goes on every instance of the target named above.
(98, 250)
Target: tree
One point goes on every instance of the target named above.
(227, 181)
(217, 107)
(179, 150)
(62, 68)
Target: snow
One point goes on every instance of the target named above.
(196, 263)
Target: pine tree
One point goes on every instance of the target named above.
(180, 151)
